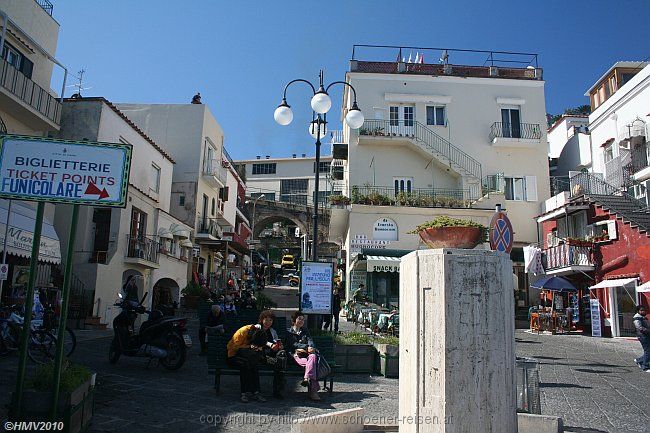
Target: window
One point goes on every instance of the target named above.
(138, 223)
(511, 119)
(394, 116)
(577, 225)
(294, 190)
(181, 200)
(436, 116)
(408, 116)
(16, 59)
(224, 193)
(608, 153)
(265, 168)
(625, 77)
(324, 167)
(213, 208)
(323, 196)
(155, 178)
(515, 188)
(403, 184)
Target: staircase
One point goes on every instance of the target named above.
(445, 152)
(615, 201)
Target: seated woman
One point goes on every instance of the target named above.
(246, 350)
(301, 346)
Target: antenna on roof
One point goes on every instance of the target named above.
(79, 85)
(444, 58)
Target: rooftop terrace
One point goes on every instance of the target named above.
(387, 59)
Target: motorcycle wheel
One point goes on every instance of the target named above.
(176, 352)
(41, 346)
(114, 352)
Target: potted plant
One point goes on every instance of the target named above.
(192, 292)
(339, 200)
(388, 352)
(446, 232)
(76, 394)
(354, 352)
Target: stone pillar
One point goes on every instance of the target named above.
(457, 342)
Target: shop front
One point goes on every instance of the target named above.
(616, 301)
(378, 270)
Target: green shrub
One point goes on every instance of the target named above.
(192, 289)
(353, 338)
(446, 221)
(72, 376)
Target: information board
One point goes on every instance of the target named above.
(74, 172)
(316, 288)
(595, 318)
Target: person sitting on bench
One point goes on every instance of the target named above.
(250, 346)
(299, 343)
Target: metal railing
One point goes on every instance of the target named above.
(640, 157)
(528, 391)
(46, 5)
(529, 131)
(565, 255)
(29, 92)
(415, 197)
(209, 226)
(228, 158)
(494, 183)
(426, 139)
(142, 247)
(336, 137)
(213, 167)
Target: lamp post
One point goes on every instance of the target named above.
(320, 104)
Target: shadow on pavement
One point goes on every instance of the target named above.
(562, 385)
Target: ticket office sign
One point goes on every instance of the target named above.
(74, 172)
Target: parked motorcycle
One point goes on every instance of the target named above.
(162, 338)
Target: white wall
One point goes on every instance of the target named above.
(562, 133)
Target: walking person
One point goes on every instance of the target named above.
(301, 346)
(643, 333)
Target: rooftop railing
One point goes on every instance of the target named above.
(46, 5)
(414, 197)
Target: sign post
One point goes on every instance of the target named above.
(501, 233)
(316, 287)
(59, 171)
(595, 317)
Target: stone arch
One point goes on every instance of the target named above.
(269, 219)
(165, 291)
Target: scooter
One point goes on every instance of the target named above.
(294, 280)
(160, 338)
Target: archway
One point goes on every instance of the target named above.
(165, 292)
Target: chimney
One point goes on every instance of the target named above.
(257, 157)
(294, 155)
(268, 156)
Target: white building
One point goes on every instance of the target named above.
(439, 139)
(289, 180)
(142, 240)
(201, 196)
(569, 146)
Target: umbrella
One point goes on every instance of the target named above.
(554, 284)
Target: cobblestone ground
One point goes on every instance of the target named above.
(592, 383)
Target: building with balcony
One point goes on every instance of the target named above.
(452, 138)
(143, 240)
(569, 145)
(200, 188)
(595, 229)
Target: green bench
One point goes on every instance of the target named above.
(217, 353)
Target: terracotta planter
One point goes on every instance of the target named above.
(451, 237)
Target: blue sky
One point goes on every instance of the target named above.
(239, 54)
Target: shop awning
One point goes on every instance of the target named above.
(179, 231)
(165, 233)
(619, 282)
(645, 287)
(21, 233)
(383, 264)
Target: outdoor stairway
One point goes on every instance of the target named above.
(625, 208)
(427, 140)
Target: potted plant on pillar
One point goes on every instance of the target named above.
(192, 292)
(447, 232)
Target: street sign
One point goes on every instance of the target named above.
(501, 233)
(61, 171)
(4, 271)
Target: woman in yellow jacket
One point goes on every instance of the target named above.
(246, 352)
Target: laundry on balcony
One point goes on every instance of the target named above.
(533, 260)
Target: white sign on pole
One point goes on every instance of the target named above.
(46, 169)
(595, 318)
(4, 271)
(384, 229)
(316, 288)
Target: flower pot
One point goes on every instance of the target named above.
(451, 237)
(388, 363)
(355, 358)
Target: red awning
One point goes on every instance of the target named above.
(607, 142)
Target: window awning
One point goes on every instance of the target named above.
(383, 264)
(620, 282)
(645, 287)
(21, 233)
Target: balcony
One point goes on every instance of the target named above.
(46, 5)
(641, 162)
(208, 230)
(566, 259)
(504, 134)
(214, 173)
(142, 250)
(415, 197)
(27, 100)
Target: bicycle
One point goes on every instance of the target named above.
(50, 323)
(41, 344)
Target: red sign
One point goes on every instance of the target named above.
(501, 233)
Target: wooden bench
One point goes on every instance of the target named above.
(217, 353)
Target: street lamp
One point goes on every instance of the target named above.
(320, 105)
